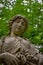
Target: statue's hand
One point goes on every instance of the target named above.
(9, 59)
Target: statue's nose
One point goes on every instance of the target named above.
(19, 24)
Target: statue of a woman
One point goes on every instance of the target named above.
(14, 50)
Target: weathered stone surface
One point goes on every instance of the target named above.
(15, 50)
(24, 51)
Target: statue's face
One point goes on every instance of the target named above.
(18, 26)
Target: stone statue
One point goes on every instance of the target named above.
(15, 50)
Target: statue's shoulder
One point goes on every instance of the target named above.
(9, 43)
(26, 41)
(31, 47)
(9, 39)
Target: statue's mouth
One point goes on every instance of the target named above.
(18, 29)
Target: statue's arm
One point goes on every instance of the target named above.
(35, 56)
(9, 58)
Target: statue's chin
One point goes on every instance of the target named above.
(17, 33)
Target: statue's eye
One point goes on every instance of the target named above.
(23, 23)
(18, 20)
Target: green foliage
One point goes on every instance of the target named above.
(32, 10)
(41, 50)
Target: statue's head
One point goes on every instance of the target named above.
(17, 25)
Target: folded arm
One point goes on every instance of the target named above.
(9, 59)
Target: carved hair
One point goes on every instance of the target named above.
(14, 18)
